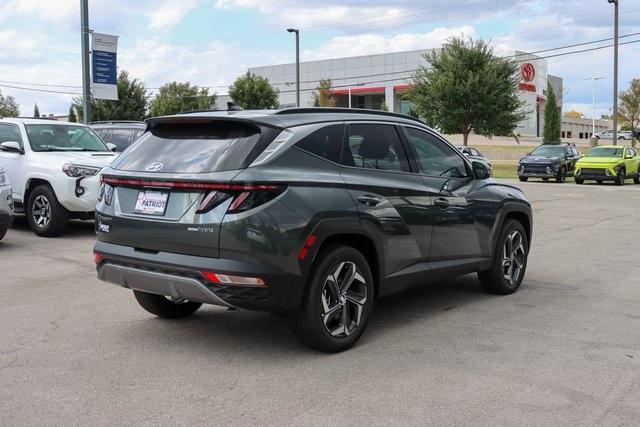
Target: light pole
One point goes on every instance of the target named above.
(615, 72)
(86, 85)
(593, 120)
(297, 31)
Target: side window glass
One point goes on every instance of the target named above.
(434, 157)
(373, 146)
(325, 142)
(10, 132)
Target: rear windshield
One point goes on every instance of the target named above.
(191, 148)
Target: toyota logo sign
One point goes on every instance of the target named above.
(528, 72)
(154, 166)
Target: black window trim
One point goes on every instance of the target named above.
(368, 122)
(413, 157)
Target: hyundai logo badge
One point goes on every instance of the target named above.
(154, 166)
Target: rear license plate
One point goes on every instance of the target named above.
(151, 203)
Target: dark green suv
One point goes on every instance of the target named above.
(312, 213)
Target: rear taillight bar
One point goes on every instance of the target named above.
(188, 185)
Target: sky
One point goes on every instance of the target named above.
(211, 42)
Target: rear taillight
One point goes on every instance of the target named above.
(98, 258)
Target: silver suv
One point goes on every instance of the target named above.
(6, 204)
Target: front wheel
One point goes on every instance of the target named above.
(562, 175)
(622, 174)
(46, 216)
(523, 178)
(579, 181)
(510, 260)
(167, 307)
(3, 232)
(338, 300)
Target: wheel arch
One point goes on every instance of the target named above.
(518, 212)
(31, 184)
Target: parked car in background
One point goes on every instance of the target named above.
(473, 154)
(608, 134)
(53, 168)
(609, 163)
(307, 212)
(6, 204)
(120, 133)
(549, 161)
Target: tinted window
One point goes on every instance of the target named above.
(56, 137)
(122, 138)
(102, 133)
(434, 157)
(192, 148)
(10, 133)
(325, 142)
(548, 151)
(374, 147)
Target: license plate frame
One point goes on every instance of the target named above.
(150, 202)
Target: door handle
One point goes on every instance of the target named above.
(441, 203)
(369, 200)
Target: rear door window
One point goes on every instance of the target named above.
(374, 146)
(192, 147)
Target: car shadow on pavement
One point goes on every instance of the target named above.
(75, 227)
(245, 334)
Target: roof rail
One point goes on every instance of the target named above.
(108, 122)
(36, 118)
(307, 110)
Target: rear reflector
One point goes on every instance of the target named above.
(227, 279)
(98, 257)
(188, 185)
(307, 245)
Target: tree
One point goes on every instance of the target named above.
(322, 96)
(552, 120)
(8, 106)
(72, 114)
(132, 102)
(36, 111)
(176, 97)
(574, 114)
(467, 88)
(253, 92)
(630, 107)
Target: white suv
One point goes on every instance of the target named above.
(53, 168)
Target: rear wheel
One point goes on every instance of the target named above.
(579, 180)
(510, 260)
(545, 179)
(598, 181)
(167, 307)
(3, 232)
(523, 178)
(622, 173)
(46, 216)
(636, 180)
(338, 300)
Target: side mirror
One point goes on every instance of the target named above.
(628, 156)
(11, 147)
(481, 170)
(528, 154)
(112, 147)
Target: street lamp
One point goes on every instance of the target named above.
(615, 72)
(297, 31)
(593, 120)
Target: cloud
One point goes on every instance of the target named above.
(169, 13)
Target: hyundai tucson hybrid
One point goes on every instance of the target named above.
(311, 213)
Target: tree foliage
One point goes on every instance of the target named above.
(176, 97)
(467, 88)
(322, 96)
(629, 107)
(574, 114)
(36, 111)
(72, 114)
(552, 119)
(253, 92)
(131, 104)
(8, 106)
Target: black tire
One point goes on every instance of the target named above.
(523, 178)
(622, 174)
(308, 322)
(579, 181)
(545, 179)
(58, 215)
(636, 180)
(562, 175)
(493, 280)
(3, 232)
(163, 307)
(598, 181)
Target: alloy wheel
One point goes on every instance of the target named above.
(343, 297)
(41, 211)
(513, 257)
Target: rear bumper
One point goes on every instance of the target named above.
(180, 276)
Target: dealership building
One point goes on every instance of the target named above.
(379, 81)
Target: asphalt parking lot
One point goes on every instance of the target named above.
(565, 349)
